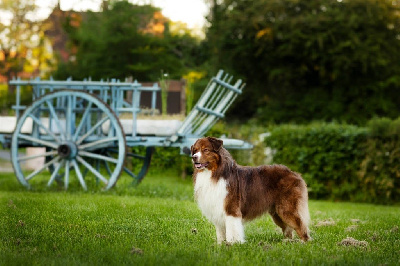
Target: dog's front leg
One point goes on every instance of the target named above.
(234, 230)
(221, 233)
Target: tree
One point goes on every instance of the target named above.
(127, 40)
(17, 36)
(311, 59)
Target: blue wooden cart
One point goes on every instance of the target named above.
(88, 128)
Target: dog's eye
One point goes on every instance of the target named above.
(206, 150)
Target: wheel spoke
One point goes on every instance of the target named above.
(98, 142)
(40, 124)
(92, 129)
(129, 172)
(83, 120)
(107, 167)
(66, 175)
(85, 171)
(91, 169)
(98, 156)
(134, 155)
(68, 118)
(53, 113)
(37, 171)
(98, 165)
(39, 141)
(79, 174)
(25, 158)
(54, 175)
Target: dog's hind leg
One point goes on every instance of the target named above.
(286, 229)
(293, 220)
(302, 230)
(297, 218)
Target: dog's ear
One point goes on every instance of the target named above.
(216, 143)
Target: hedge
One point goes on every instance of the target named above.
(343, 162)
(338, 161)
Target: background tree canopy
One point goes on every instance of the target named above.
(302, 60)
(310, 59)
(120, 42)
(17, 38)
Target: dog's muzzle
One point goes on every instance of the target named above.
(197, 164)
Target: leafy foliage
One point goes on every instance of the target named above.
(18, 37)
(310, 59)
(326, 154)
(164, 84)
(379, 170)
(121, 42)
(342, 162)
(190, 79)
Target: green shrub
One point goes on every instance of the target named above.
(7, 98)
(380, 167)
(338, 161)
(170, 158)
(394, 127)
(379, 126)
(327, 155)
(343, 162)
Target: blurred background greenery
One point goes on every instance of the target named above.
(323, 77)
(302, 60)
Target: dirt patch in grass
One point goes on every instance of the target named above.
(136, 251)
(101, 236)
(20, 223)
(265, 246)
(375, 237)
(328, 222)
(11, 204)
(291, 240)
(349, 241)
(351, 228)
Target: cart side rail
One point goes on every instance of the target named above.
(111, 92)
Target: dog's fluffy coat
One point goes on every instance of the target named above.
(228, 194)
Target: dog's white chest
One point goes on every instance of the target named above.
(210, 197)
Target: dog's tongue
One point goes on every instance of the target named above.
(200, 165)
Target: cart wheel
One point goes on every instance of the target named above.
(74, 136)
(137, 162)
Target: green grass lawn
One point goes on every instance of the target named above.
(158, 223)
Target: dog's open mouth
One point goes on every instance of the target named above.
(200, 165)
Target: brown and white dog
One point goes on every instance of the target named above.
(229, 194)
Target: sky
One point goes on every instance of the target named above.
(191, 12)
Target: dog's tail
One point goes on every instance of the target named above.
(303, 209)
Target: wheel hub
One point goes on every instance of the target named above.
(67, 150)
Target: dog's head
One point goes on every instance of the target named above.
(205, 153)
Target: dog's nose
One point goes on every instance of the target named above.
(194, 157)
